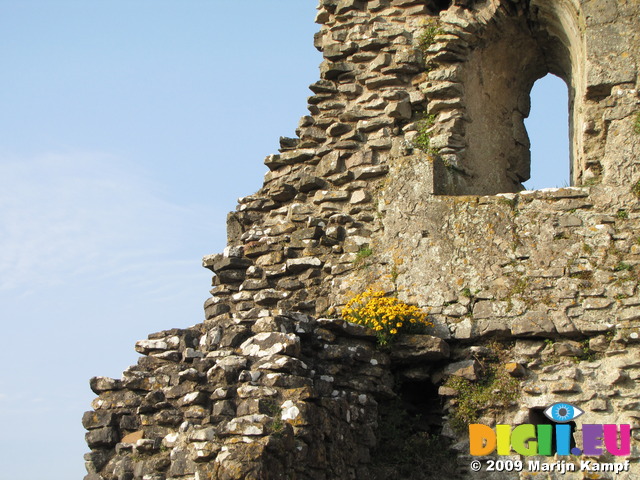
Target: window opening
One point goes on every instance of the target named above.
(440, 5)
(548, 129)
(479, 131)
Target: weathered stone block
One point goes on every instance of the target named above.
(104, 384)
(269, 296)
(92, 420)
(468, 369)
(365, 173)
(297, 265)
(102, 437)
(282, 193)
(416, 348)
(214, 309)
(217, 263)
(567, 348)
(533, 324)
(564, 386)
(231, 276)
(309, 183)
(515, 369)
(331, 71)
(271, 343)
(147, 346)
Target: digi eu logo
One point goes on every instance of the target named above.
(552, 438)
(562, 412)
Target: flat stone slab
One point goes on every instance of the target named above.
(413, 348)
(343, 327)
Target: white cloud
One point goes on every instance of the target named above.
(68, 217)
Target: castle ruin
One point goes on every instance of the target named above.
(406, 176)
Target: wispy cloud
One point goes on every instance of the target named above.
(86, 214)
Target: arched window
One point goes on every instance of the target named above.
(548, 129)
(479, 97)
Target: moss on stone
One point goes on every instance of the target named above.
(428, 35)
(423, 140)
(495, 390)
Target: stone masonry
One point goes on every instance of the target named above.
(406, 176)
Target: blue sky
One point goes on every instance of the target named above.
(548, 128)
(128, 130)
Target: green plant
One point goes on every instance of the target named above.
(622, 214)
(466, 292)
(625, 277)
(548, 300)
(550, 357)
(428, 35)
(277, 426)
(587, 354)
(275, 412)
(635, 189)
(586, 275)
(586, 248)
(520, 286)
(509, 202)
(636, 124)
(423, 139)
(394, 273)
(592, 181)
(386, 316)
(496, 390)
(622, 267)
(365, 252)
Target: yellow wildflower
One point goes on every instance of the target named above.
(385, 315)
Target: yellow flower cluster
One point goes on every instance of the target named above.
(385, 315)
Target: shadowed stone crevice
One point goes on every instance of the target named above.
(440, 5)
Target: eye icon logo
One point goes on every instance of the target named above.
(562, 412)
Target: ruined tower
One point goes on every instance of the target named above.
(406, 176)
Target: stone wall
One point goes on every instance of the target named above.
(419, 104)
